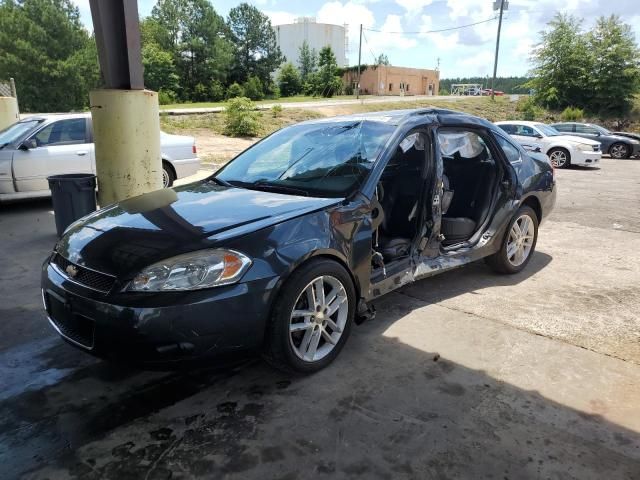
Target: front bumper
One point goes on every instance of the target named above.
(581, 157)
(160, 329)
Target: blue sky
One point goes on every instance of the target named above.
(464, 52)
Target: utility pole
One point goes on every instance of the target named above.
(503, 4)
(359, 59)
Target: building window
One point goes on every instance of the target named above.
(390, 86)
(407, 87)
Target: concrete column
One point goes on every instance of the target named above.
(9, 113)
(126, 129)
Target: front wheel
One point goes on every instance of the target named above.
(560, 158)
(312, 317)
(519, 243)
(619, 151)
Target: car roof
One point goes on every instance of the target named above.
(519, 122)
(413, 115)
(56, 116)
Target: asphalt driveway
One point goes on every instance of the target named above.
(464, 375)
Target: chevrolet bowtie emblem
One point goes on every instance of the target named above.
(71, 270)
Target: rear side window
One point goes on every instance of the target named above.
(63, 132)
(563, 127)
(586, 129)
(510, 129)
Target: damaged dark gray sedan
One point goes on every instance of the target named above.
(283, 249)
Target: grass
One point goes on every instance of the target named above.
(215, 121)
(296, 99)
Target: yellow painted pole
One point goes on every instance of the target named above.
(126, 129)
(9, 113)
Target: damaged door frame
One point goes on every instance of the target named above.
(427, 258)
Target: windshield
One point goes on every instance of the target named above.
(325, 159)
(16, 131)
(547, 130)
(602, 130)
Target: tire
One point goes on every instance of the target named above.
(502, 261)
(559, 157)
(619, 151)
(285, 347)
(168, 177)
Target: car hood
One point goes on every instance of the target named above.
(572, 138)
(127, 236)
(628, 134)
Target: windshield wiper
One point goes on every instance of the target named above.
(268, 187)
(219, 181)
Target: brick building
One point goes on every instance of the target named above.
(391, 80)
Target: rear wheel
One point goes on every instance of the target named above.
(620, 151)
(519, 243)
(168, 176)
(560, 157)
(312, 317)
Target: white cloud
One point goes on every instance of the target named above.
(478, 64)
(280, 17)
(413, 6)
(351, 13)
(442, 41)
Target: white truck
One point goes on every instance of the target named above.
(44, 145)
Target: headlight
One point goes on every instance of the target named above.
(192, 271)
(585, 147)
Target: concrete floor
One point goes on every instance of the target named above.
(465, 375)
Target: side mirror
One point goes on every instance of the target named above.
(29, 144)
(537, 135)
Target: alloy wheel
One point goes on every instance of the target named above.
(165, 178)
(619, 150)
(558, 158)
(520, 241)
(318, 318)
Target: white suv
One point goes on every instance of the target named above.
(563, 150)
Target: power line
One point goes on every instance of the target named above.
(375, 59)
(435, 31)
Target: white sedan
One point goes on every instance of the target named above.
(563, 150)
(44, 145)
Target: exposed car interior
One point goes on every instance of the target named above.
(399, 193)
(470, 176)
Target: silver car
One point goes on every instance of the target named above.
(44, 145)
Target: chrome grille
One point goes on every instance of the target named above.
(85, 276)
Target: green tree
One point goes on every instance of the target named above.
(616, 69)
(327, 82)
(382, 60)
(256, 50)
(253, 88)
(307, 61)
(235, 90)
(198, 39)
(241, 118)
(44, 46)
(159, 70)
(289, 80)
(563, 64)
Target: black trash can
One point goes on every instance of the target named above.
(73, 196)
